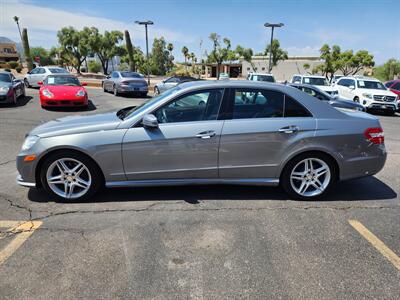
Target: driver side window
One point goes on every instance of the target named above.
(196, 106)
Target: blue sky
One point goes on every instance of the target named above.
(368, 24)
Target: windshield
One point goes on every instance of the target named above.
(376, 85)
(131, 74)
(315, 81)
(145, 105)
(58, 71)
(62, 80)
(5, 78)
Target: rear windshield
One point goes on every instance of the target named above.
(266, 78)
(58, 71)
(131, 75)
(5, 78)
(315, 81)
(376, 85)
(62, 80)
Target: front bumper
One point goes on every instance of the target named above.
(383, 106)
(64, 102)
(21, 182)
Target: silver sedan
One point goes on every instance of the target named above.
(125, 82)
(226, 132)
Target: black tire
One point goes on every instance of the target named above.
(23, 92)
(95, 172)
(285, 181)
(156, 91)
(15, 99)
(104, 88)
(26, 82)
(356, 99)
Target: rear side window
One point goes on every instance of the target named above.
(250, 104)
(294, 108)
(396, 86)
(58, 71)
(388, 84)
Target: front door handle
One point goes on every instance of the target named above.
(289, 129)
(206, 134)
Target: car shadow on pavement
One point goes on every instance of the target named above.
(22, 101)
(90, 107)
(369, 188)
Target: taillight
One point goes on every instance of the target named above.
(375, 135)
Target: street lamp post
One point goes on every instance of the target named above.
(272, 25)
(146, 23)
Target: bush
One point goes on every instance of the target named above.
(13, 64)
(18, 69)
(7, 70)
(83, 70)
(94, 67)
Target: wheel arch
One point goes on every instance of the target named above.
(60, 150)
(329, 155)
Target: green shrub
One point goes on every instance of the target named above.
(94, 67)
(18, 69)
(7, 70)
(13, 64)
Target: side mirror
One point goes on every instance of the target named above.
(83, 84)
(150, 121)
(352, 87)
(40, 83)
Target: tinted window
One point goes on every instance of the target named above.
(388, 84)
(376, 85)
(296, 79)
(5, 78)
(35, 71)
(131, 75)
(315, 81)
(267, 78)
(396, 86)
(294, 108)
(257, 104)
(114, 75)
(58, 71)
(196, 106)
(172, 80)
(41, 71)
(346, 82)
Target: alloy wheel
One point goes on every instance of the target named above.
(68, 178)
(310, 177)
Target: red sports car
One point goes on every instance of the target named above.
(62, 91)
(394, 86)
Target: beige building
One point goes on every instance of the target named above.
(8, 50)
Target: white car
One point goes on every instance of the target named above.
(316, 80)
(261, 77)
(38, 74)
(369, 92)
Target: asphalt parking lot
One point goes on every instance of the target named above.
(195, 242)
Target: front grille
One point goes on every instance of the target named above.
(384, 98)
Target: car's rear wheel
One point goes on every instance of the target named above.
(14, 98)
(26, 82)
(308, 176)
(356, 99)
(70, 176)
(156, 91)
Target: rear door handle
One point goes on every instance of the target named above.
(289, 129)
(206, 134)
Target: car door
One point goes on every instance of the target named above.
(41, 75)
(185, 144)
(342, 86)
(32, 76)
(262, 125)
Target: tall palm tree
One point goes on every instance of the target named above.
(16, 19)
(185, 52)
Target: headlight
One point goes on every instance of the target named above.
(29, 142)
(47, 94)
(4, 89)
(368, 96)
(80, 93)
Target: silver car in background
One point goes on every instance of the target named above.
(222, 132)
(39, 74)
(171, 82)
(126, 82)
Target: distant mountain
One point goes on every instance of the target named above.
(5, 40)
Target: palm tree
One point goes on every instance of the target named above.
(185, 52)
(16, 19)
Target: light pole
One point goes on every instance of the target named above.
(272, 25)
(145, 23)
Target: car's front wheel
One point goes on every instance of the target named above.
(308, 176)
(26, 82)
(156, 91)
(70, 176)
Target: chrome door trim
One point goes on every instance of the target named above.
(172, 182)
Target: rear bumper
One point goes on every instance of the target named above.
(132, 89)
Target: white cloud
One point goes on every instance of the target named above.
(303, 51)
(43, 23)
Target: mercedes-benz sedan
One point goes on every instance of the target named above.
(224, 132)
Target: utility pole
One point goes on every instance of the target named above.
(146, 23)
(272, 25)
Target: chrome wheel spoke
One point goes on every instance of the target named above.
(59, 179)
(62, 166)
(321, 171)
(82, 183)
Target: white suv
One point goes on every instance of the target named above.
(318, 81)
(261, 77)
(369, 92)
(40, 73)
